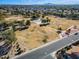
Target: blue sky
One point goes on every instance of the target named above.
(25, 2)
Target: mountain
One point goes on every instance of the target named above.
(49, 4)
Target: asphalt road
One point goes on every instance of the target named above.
(43, 52)
(48, 57)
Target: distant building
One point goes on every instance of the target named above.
(41, 22)
(37, 21)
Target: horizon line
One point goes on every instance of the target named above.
(40, 4)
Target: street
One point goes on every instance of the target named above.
(50, 48)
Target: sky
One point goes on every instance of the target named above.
(30, 2)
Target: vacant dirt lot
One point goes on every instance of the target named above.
(34, 36)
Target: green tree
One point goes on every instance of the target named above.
(9, 36)
(28, 22)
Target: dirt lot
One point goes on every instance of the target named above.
(63, 22)
(34, 36)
